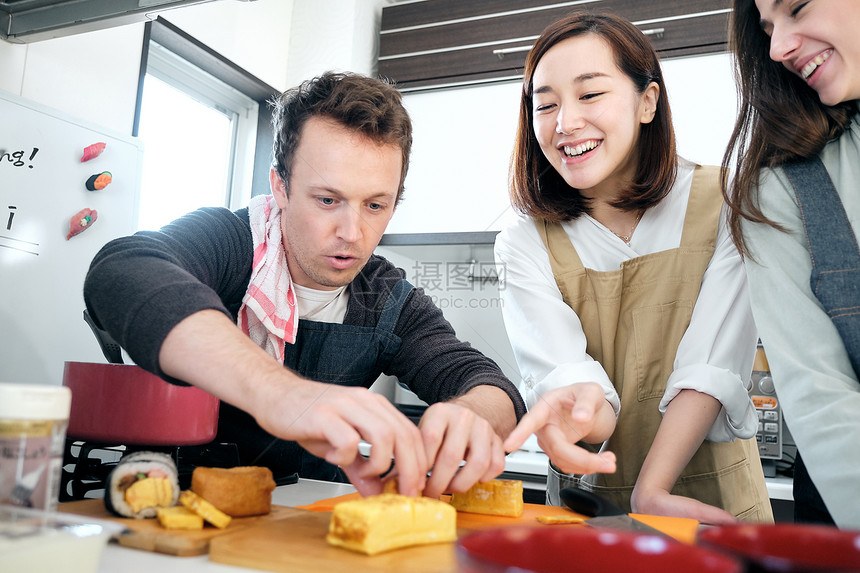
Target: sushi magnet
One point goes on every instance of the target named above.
(99, 181)
(81, 221)
(93, 151)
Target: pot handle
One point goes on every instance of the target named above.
(110, 348)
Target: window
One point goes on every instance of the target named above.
(204, 125)
(198, 135)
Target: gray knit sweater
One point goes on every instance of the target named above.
(139, 287)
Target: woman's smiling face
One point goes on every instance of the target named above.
(817, 40)
(587, 115)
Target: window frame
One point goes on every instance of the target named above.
(161, 36)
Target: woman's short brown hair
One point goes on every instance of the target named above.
(537, 189)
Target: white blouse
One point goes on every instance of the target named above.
(715, 355)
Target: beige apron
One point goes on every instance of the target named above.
(633, 319)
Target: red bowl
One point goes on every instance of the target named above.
(561, 548)
(788, 547)
(126, 405)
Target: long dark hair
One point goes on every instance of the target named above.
(780, 119)
(537, 189)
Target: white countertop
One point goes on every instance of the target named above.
(118, 559)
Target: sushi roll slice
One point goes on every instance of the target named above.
(141, 483)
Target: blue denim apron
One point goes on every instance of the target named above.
(835, 281)
(340, 354)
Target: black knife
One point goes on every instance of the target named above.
(602, 512)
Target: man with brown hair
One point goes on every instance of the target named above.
(295, 271)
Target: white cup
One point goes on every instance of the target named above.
(33, 422)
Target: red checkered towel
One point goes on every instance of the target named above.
(268, 313)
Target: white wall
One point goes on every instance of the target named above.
(94, 75)
(12, 63)
(339, 35)
(254, 35)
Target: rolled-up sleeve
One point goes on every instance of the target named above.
(737, 419)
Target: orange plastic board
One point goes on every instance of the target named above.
(681, 528)
(148, 535)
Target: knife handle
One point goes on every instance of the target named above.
(588, 503)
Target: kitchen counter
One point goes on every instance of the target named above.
(118, 559)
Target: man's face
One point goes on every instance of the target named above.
(342, 195)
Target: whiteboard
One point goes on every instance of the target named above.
(42, 185)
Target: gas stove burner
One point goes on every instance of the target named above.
(86, 465)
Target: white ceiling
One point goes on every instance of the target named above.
(23, 21)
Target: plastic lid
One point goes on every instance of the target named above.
(34, 402)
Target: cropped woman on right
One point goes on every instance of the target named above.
(796, 213)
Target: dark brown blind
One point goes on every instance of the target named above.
(436, 43)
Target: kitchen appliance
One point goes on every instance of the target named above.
(87, 464)
(770, 424)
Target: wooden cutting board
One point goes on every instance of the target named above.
(297, 543)
(148, 535)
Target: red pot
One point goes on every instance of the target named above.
(126, 405)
